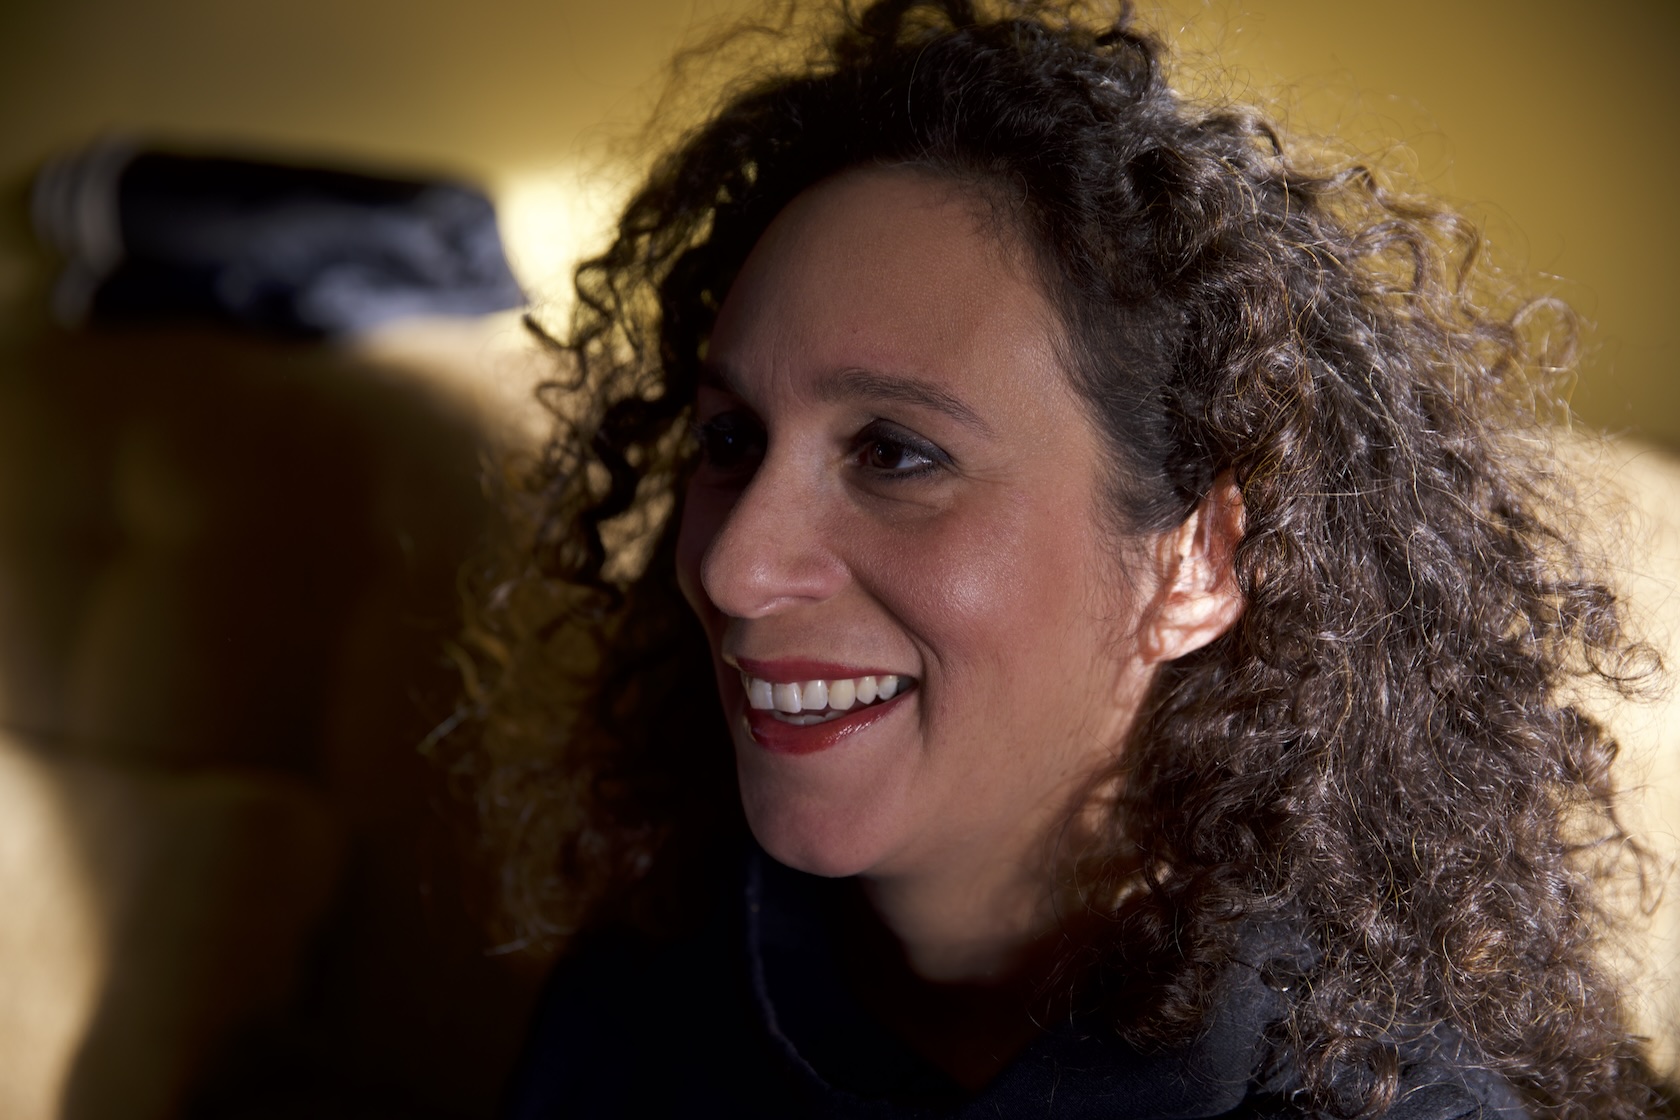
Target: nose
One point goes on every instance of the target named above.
(772, 548)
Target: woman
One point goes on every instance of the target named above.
(1121, 556)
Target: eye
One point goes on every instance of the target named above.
(730, 442)
(886, 449)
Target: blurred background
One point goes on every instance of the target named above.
(235, 883)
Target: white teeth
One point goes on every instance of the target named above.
(813, 695)
(793, 700)
(787, 698)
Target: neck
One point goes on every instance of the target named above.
(981, 912)
(956, 966)
(969, 925)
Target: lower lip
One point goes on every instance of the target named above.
(778, 737)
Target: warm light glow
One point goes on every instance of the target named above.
(551, 218)
(51, 938)
(488, 365)
(1648, 770)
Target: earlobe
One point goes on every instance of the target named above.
(1198, 597)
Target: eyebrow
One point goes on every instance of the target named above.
(862, 384)
(852, 384)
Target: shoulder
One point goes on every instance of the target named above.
(1450, 1082)
(1442, 1075)
(1444, 1082)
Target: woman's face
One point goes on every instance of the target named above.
(899, 481)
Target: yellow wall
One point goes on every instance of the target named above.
(1553, 122)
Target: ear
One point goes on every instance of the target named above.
(1198, 598)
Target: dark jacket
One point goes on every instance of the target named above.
(748, 1019)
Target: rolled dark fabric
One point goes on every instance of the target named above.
(269, 246)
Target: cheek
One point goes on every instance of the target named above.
(1046, 630)
(1001, 595)
(979, 616)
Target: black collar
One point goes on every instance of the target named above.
(1078, 1068)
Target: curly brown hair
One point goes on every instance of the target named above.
(1382, 752)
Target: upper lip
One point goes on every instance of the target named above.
(794, 669)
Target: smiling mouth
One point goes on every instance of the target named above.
(807, 703)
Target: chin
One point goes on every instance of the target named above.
(811, 859)
(811, 851)
(816, 838)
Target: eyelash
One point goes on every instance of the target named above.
(880, 434)
(714, 436)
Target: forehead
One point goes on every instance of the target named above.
(889, 270)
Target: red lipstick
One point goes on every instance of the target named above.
(779, 737)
